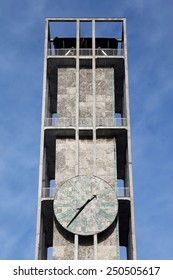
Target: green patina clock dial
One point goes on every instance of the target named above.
(85, 205)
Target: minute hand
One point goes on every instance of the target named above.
(88, 201)
(81, 208)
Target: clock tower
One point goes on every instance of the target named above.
(85, 196)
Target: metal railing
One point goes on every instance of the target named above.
(111, 122)
(123, 192)
(49, 193)
(85, 52)
(61, 52)
(109, 52)
(85, 122)
(60, 122)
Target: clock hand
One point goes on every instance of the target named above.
(89, 200)
(81, 208)
(73, 218)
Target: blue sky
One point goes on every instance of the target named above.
(150, 55)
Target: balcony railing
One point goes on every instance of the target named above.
(49, 193)
(109, 52)
(85, 122)
(85, 52)
(60, 122)
(111, 122)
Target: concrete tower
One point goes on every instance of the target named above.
(85, 199)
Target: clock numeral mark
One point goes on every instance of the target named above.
(105, 193)
(106, 215)
(67, 214)
(64, 192)
(60, 204)
(86, 183)
(109, 204)
(98, 185)
(77, 201)
(73, 184)
(98, 224)
(72, 226)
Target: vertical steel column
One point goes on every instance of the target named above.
(38, 252)
(116, 191)
(94, 95)
(76, 239)
(132, 249)
(94, 117)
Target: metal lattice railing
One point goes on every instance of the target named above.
(111, 122)
(85, 122)
(60, 122)
(50, 192)
(109, 52)
(85, 52)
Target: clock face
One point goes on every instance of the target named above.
(85, 205)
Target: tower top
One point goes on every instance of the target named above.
(117, 19)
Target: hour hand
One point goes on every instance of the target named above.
(81, 208)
